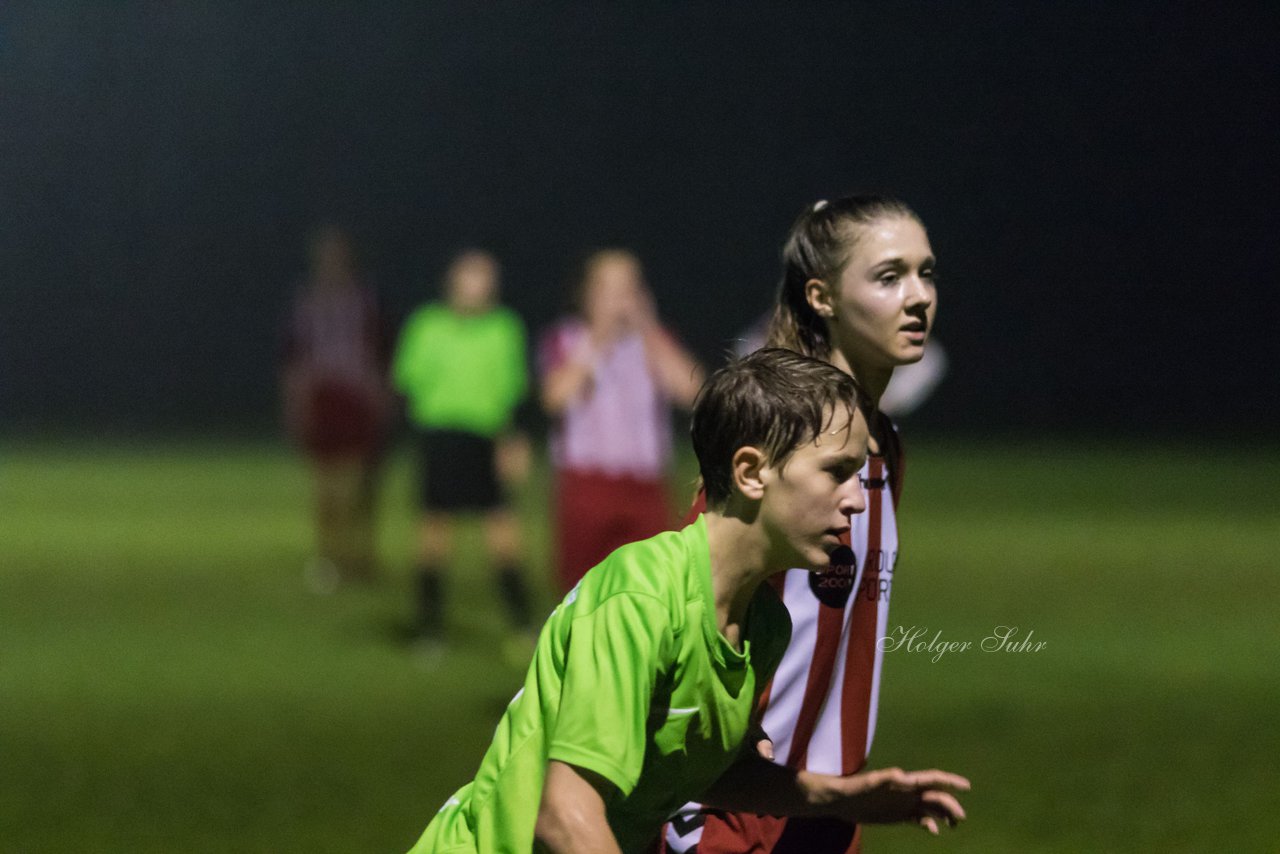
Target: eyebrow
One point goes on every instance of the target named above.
(929, 261)
(843, 459)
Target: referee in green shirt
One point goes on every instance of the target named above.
(461, 366)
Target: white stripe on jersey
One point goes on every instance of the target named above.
(821, 757)
(787, 687)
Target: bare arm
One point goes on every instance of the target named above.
(678, 374)
(571, 817)
(886, 796)
(570, 379)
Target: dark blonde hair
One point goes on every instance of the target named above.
(774, 400)
(818, 247)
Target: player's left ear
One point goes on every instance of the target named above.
(820, 297)
(749, 463)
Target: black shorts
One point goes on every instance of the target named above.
(457, 472)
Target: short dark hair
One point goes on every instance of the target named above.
(775, 400)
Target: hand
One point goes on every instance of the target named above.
(764, 744)
(513, 459)
(644, 312)
(892, 795)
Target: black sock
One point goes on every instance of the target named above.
(430, 601)
(515, 596)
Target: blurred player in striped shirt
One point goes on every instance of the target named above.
(336, 403)
(609, 376)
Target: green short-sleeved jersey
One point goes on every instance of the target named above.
(632, 680)
(461, 371)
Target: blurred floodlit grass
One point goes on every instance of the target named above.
(167, 683)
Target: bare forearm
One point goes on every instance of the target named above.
(572, 837)
(757, 785)
(562, 384)
(571, 816)
(885, 796)
(678, 372)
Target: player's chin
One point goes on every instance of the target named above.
(908, 354)
(817, 558)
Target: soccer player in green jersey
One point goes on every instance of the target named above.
(645, 678)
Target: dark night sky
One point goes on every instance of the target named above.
(1098, 180)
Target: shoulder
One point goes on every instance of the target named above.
(647, 567)
(658, 570)
(507, 316)
(886, 432)
(558, 340)
(426, 314)
(565, 328)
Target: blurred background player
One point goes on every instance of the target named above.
(336, 405)
(609, 376)
(461, 364)
(857, 291)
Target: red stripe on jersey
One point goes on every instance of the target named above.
(860, 660)
(740, 832)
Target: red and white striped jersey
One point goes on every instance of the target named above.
(336, 335)
(820, 708)
(622, 425)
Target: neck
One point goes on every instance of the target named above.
(739, 562)
(872, 380)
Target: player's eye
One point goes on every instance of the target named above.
(841, 473)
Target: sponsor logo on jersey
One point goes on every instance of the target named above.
(877, 577)
(833, 585)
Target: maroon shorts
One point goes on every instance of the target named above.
(342, 421)
(732, 833)
(596, 513)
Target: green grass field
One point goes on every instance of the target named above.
(168, 684)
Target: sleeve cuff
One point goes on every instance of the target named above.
(624, 781)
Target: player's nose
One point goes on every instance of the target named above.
(853, 499)
(919, 293)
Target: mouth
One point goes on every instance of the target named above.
(916, 331)
(834, 536)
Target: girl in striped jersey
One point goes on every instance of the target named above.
(337, 403)
(858, 291)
